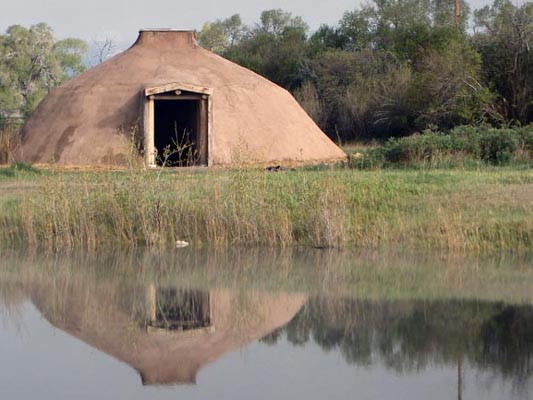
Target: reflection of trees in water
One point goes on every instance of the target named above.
(409, 335)
(508, 341)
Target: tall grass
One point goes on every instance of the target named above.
(9, 141)
(453, 210)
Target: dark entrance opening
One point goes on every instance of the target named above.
(180, 133)
(181, 309)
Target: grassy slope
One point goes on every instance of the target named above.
(444, 209)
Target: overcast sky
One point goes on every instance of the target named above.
(121, 19)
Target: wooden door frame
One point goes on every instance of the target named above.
(173, 91)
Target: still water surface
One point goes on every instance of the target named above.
(265, 324)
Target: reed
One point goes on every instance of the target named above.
(9, 141)
(452, 210)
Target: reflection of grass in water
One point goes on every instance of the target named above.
(12, 299)
(452, 210)
(246, 313)
(389, 275)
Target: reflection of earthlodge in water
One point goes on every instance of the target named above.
(167, 334)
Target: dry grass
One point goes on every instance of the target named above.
(9, 142)
(451, 210)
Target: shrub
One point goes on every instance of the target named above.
(525, 140)
(372, 158)
(498, 146)
(461, 145)
(428, 147)
(19, 168)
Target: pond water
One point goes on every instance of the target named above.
(265, 323)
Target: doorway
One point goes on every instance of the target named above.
(177, 132)
(177, 124)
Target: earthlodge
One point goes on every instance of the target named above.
(182, 104)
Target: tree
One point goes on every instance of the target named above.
(389, 68)
(504, 36)
(402, 26)
(32, 62)
(308, 97)
(358, 27)
(450, 89)
(275, 47)
(103, 49)
(451, 13)
(276, 22)
(327, 37)
(222, 35)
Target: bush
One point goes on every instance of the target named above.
(428, 147)
(498, 146)
(19, 168)
(367, 159)
(462, 145)
(525, 140)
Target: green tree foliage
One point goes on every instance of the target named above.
(365, 92)
(275, 47)
(412, 67)
(327, 37)
(222, 35)
(389, 68)
(32, 63)
(504, 36)
(450, 89)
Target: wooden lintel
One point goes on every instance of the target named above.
(175, 86)
(174, 97)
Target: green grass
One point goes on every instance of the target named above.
(455, 210)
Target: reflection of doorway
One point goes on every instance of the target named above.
(178, 309)
(176, 125)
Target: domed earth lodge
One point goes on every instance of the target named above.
(182, 104)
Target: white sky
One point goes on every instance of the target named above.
(121, 19)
